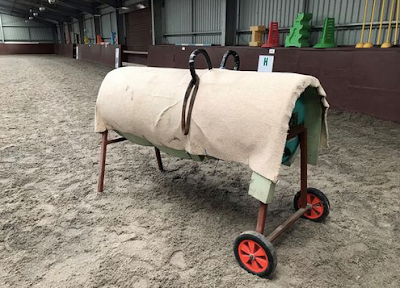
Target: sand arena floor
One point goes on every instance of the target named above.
(175, 229)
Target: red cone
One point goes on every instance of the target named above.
(273, 36)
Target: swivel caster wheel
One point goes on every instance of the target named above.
(320, 205)
(255, 254)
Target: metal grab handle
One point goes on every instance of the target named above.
(226, 56)
(185, 121)
(191, 62)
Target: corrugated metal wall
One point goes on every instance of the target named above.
(199, 21)
(192, 21)
(88, 26)
(65, 32)
(348, 16)
(348, 19)
(108, 23)
(75, 30)
(261, 12)
(15, 29)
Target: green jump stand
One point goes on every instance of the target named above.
(300, 31)
(327, 39)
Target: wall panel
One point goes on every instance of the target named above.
(194, 21)
(16, 34)
(190, 21)
(15, 29)
(88, 25)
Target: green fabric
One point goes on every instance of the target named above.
(135, 139)
(180, 153)
(175, 153)
(292, 144)
(313, 123)
(261, 188)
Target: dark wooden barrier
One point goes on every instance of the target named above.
(99, 54)
(356, 80)
(66, 50)
(28, 48)
(137, 57)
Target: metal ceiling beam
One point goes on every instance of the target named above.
(77, 5)
(112, 3)
(63, 12)
(45, 21)
(25, 11)
(9, 12)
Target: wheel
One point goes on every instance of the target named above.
(320, 205)
(255, 253)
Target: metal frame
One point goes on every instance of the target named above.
(103, 153)
(300, 131)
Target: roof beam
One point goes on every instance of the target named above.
(17, 7)
(9, 12)
(77, 5)
(45, 21)
(112, 3)
(63, 12)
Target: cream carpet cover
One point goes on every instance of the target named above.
(237, 116)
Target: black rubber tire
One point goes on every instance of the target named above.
(265, 244)
(321, 196)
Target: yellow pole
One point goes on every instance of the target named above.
(360, 44)
(397, 22)
(387, 44)
(369, 44)
(378, 41)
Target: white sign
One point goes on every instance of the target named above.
(265, 63)
(77, 53)
(271, 51)
(116, 58)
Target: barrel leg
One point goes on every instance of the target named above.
(103, 150)
(159, 161)
(303, 168)
(262, 215)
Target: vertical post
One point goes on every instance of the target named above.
(55, 35)
(305, 6)
(262, 214)
(29, 34)
(70, 33)
(157, 20)
(60, 27)
(228, 26)
(159, 161)
(103, 151)
(81, 30)
(224, 17)
(192, 21)
(120, 28)
(97, 30)
(2, 30)
(303, 168)
(111, 26)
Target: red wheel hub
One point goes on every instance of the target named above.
(253, 256)
(317, 208)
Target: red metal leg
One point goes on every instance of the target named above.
(262, 214)
(303, 168)
(304, 207)
(103, 150)
(159, 161)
